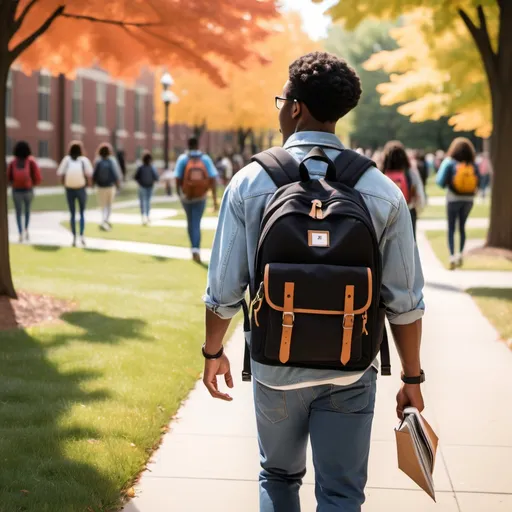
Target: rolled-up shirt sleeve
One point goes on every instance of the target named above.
(228, 274)
(402, 276)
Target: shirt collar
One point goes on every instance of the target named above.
(195, 152)
(313, 139)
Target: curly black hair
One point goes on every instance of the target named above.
(22, 150)
(327, 85)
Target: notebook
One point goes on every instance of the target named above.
(417, 446)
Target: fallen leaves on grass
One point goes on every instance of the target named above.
(130, 492)
(31, 309)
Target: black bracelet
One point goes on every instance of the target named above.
(420, 379)
(210, 357)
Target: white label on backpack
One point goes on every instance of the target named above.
(318, 238)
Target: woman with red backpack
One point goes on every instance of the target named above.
(397, 167)
(23, 174)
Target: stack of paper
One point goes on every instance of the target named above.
(417, 446)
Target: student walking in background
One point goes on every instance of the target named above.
(146, 176)
(107, 178)
(397, 167)
(459, 174)
(76, 172)
(23, 174)
(195, 176)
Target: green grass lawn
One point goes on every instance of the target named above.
(148, 234)
(439, 212)
(434, 190)
(83, 402)
(439, 242)
(496, 305)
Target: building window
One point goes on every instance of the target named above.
(43, 148)
(9, 146)
(139, 111)
(101, 105)
(120, 104)
(44, 92)
(8, 97)
(76, 108)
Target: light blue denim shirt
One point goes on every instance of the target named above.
(232, 261)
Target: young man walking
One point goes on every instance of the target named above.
(334, 408)
(195, 174)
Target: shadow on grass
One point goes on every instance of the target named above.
(87, 249)
(37, 473)
(492, 293)
(100, 328)
(47, 248)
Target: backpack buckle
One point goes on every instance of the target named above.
(348, 321)
(285, 314)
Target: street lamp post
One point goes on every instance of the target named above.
(168, 97)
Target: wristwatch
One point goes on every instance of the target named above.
(420, 379)
(210, 356)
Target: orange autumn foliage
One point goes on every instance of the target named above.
(150, 32)
(247, 100)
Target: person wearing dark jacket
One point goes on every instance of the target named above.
(146, 176)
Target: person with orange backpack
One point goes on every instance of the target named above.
(397, 167)
(23, 174)
(195, 175)
(460, 175)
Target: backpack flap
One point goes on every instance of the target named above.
(314, 313)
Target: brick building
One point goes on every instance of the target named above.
(49, 112)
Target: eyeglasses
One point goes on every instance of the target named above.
(281, 101)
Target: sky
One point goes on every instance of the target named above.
(315, 22)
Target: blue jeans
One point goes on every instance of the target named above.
(338, 419)
(458, 211)
(194, 212)
(22, 201)
(73, 195)
(145, 195)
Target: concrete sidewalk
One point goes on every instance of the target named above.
(209, 459)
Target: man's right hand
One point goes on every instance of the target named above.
(409, 396)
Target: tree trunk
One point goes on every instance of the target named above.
(500, 231)
(242, 137)
(6, 284)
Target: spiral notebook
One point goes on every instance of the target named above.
(417, 446)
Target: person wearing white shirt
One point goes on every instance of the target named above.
(75, 172)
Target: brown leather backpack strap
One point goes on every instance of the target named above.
(348, 324)
(288, 321)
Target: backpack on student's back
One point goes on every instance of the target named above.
(196, 181)
(315, 298)
(402, 179)
(145, 176)
(21, 176)
(464, 179)
(104, 174)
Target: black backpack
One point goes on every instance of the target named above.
(145, 177)
(315, 297)
(104, 174)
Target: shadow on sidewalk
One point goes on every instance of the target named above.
(444, 287)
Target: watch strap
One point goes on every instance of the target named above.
(211, 357)
(420, 379)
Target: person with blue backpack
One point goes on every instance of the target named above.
(107, 178)
(324, 243)
(146, 176)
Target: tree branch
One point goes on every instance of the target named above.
(109, 22)
(18, 50)
(23, 15)
(483, 42)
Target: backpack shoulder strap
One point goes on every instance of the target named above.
(281, 167)
(350, 167)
